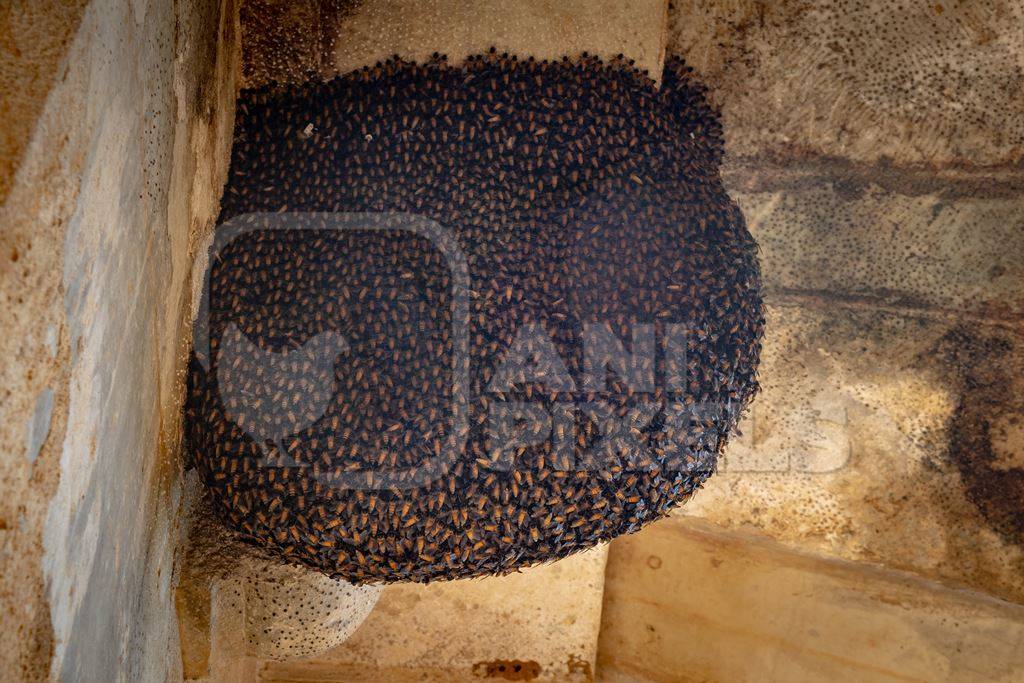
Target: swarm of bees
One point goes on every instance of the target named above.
(581, 197)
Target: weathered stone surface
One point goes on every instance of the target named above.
(544, 618)
(869, 443)
(686, 602)
(34, 39)
(123, 160)
(891, 243)
(891, 371)
(290, 42)
(893, 361)
(415, 29)
(921, 82)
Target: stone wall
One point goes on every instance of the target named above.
(875, 149)
(116, 155)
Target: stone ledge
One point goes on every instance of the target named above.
(869, 242)
(886, 438)
(719, 606)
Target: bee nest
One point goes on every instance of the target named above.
(382, 405)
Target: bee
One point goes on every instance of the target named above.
(577, 192)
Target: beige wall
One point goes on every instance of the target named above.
(932, 83)
(875, 150)
(124, 117)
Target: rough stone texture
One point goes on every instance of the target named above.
(888, 430)
(287, 42)
(874, 149)
(814, 103)
(123, 158)
(891, 371)
(919, 82)
(723, 607)
(852, 448)
(545, 619)
(34, 39)
(415, 29)
(891, 247)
